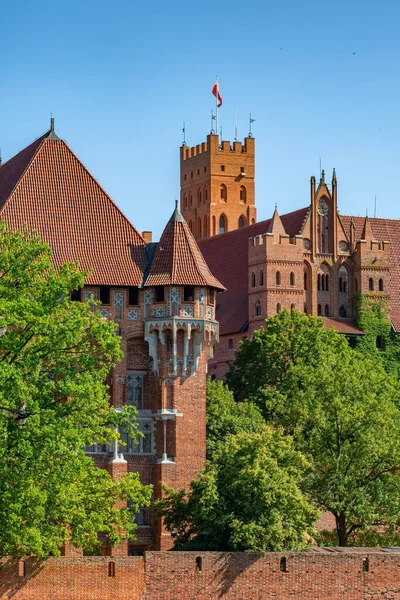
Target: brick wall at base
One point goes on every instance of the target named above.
(354, 574)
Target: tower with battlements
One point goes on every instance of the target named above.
(217, 186)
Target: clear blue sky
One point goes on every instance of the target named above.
(122, 76)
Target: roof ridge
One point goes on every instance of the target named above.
(101, 187)
(39, 139)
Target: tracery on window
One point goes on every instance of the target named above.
(134, 389)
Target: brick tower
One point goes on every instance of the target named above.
(217, 186)
(180, 329)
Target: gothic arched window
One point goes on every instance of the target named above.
(199, 228)
(343, 312)
(323, 227)
(253, 280)
(258, 308)
(224, 193)
(371, 284)
(278, 278)
(243, 194)
(222, 224)
(292, 279)
(205, 230)
(381, 285)
(261, 277)
(241, 222)
(214, 228)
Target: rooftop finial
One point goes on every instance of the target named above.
(176, 204)
(322, 176)
(51, 122)
(334, 175)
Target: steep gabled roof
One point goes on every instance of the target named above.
(226, 255)
(178, 260)
(47, 189)
(275, 225)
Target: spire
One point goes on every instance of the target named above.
(275, 225)
(52, 134)
(322, 180)
(177, 259)
(176, 216)
(367, 233)
(334, 181)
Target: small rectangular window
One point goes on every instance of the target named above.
(205, 169)
(104, 294)
(185, 177)
(191, 174)
(222, 167)
(242, 169)
(133, 296)
(230, 344)
(188, 293)
(198, 171)
(160, 293)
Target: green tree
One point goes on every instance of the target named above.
(225, 416)
(248, 498)
(54, 358)
(342, 410)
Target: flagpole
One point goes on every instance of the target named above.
(216, 111)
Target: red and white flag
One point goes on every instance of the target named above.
(216, 93)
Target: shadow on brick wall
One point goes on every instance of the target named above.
(15, 573)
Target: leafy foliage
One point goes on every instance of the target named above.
(54, 358)
(379, 342)
(341, 408)
(226, 417)
(248, 498)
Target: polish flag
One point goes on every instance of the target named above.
(216, 93)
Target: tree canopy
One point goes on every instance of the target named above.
(342, 410)
(54, 358)
(247, 498)
(225, 416)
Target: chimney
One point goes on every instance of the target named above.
(147, 236)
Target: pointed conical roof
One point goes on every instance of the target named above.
(275, 225)
(178, 260)
(367, 233)
(46, 188)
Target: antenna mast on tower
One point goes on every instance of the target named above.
(250, 123)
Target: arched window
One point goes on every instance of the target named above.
(340, 284)
(261, 277)
(327, 283)
(327, 310)
(371, 284)
(323, 227)
(222, 224)
(205, 231)
(381, 285)
(243, 194)
(319, 310)
(278, 278)
(305, 281)
(185, 201)
(343, 312)
(224, 193)
(305, 309)
(278, 307)
(258, 308)
(319, 282)
(214, 227)
(355, 284)
(292, 307)
(205, 194)
(241, 222)
(291, 279)
(190, 199)
(199, 196)
(253, 280)
(191, 226)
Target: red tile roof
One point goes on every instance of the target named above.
(226, 255)
(178, 260)
(48, 189)
(346, 326)
(384, 230)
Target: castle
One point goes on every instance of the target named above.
(169, 299)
